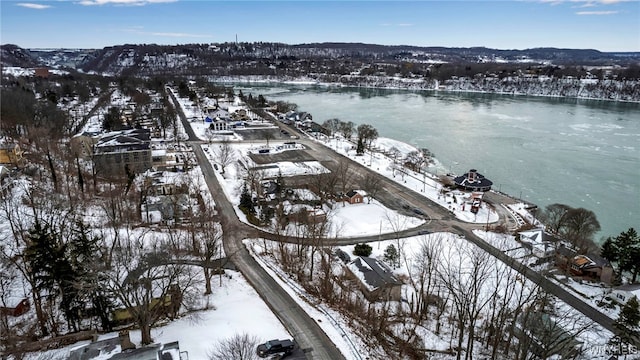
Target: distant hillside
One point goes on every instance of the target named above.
(13, 55)
(277, 59)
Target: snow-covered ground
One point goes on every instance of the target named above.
(234, 308)
(238, 308)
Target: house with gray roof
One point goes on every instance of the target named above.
(121, 348)
(376, 280)
(473, 181)
(118, 152)
(623, 293)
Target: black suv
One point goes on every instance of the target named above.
(275, 347)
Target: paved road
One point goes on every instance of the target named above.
(310, 337)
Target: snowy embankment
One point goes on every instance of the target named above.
(588, 89)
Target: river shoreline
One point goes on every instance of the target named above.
(310, 82)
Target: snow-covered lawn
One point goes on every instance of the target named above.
(428, 185)
(234, 308)
(369, 219)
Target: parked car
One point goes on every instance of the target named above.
(343, 256)
(275, 346)
(418, 211)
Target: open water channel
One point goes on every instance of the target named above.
(583, 153)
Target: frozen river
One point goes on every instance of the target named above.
(577, 152)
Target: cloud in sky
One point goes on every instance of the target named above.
(34, 6)
(603, 12)
(123, 2)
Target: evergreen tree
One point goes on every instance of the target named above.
(391, 255)
(628, 322)
(360, 147)
(627, 246)
(41, 255)
(89, 283)
(609, 250)
(362, 250)
(246, 202)
(45, 256)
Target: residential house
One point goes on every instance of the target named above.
(375, 279)
(592, 266)
(159, 158)
(564, 256)
(547, 337)
(82, 144)
(4, 171)
(121, 348)
(218, 118)
(353, 197)
(542, 244)
(307, 215)
(41, 72)
(17, 308)
(589, 266)
(119, 153)
(10, 154)
(623, 293)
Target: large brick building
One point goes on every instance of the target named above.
(120, 152)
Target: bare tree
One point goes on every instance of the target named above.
(211, 243)
(422, 274)
(225, 154)
(463, 272)
(346, 129)
(323, 184)
(210, 134)
(146, 283)
(333, 125)
(372, 185)
(238, 347)
(397, 222)
(367, 134)
(580, 226)
(344, 174)
(555, 216)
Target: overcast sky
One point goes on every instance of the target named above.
(606, 25)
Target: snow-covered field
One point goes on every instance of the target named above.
(234, 308)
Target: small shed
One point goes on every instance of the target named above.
(353, 197)
(17, 309)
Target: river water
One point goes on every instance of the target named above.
(582, 153)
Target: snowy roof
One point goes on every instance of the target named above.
(473, 180)
(111, 349)
(537, 236)
(590, 261)
(630, 288)
(372, 272)
(352, 193)
(130, 139)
